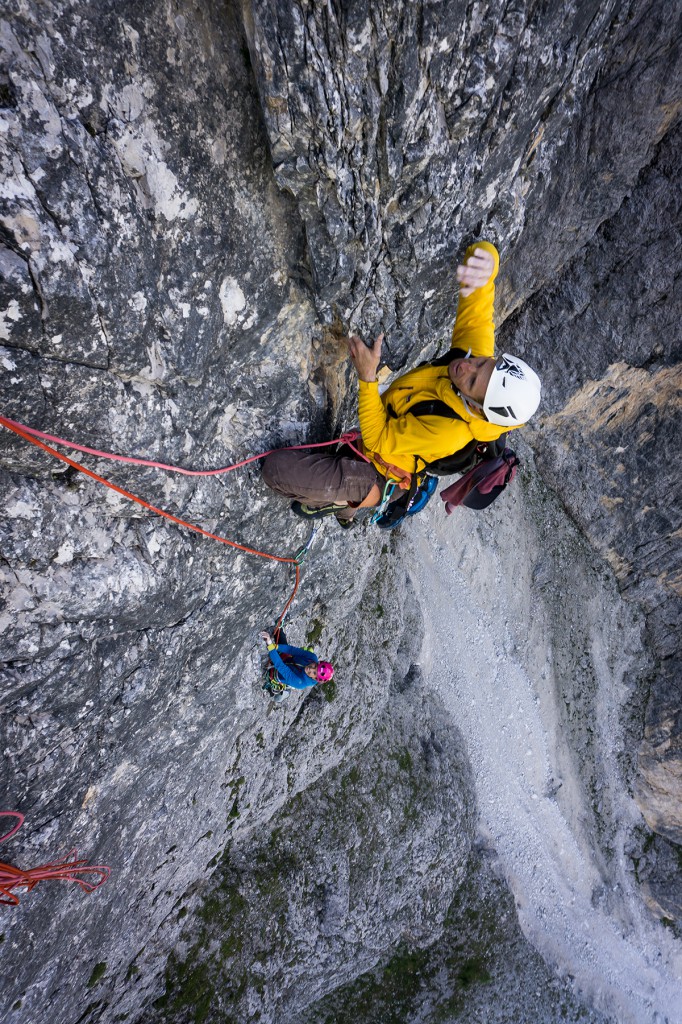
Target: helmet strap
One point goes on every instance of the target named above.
(473, 408)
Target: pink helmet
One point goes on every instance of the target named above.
(325, 671)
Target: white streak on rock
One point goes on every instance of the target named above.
(218, 152)
(20, 510)
(157, 364)
(65, 553)
(141, 151)
(7, 317)
(138, 302)
(232, 299)
(21, 600)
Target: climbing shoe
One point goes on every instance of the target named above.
(346, 524)
(307, 512)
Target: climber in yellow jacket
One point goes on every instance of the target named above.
(489, 397)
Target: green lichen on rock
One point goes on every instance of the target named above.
(481, 961)
(304, 889)
(98, 972)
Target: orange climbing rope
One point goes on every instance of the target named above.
(68, 870)
(22, 432)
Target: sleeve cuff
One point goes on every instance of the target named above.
(272, 647)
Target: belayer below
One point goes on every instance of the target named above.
(294, 668)
(433, 419)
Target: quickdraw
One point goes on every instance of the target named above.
(389, 488)
(274, 685)
(305, 548)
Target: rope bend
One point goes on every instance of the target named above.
(34, 437)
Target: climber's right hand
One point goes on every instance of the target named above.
(365, 358)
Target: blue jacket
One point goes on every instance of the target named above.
(291, 672)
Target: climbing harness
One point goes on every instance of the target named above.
(69, 870)
(272, 684)
(403, 479)
(34, 437)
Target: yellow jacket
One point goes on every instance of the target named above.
(398, 441)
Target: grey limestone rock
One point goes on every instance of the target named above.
(367, 857)
(606, 328)
(194, 200)
(403, 129)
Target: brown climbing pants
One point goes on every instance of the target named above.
(316, 477)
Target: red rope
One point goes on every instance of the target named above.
(140, 501)
(69, 870)
(26, 433)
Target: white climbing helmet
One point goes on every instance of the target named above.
(513, 392)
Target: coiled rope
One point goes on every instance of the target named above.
(70, 870)
(33, 437)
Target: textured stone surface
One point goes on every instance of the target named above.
(128, 665)
(480, 969)
(611, 444)
(165, 291)
(369, 856)
(402, 129)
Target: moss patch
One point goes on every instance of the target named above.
(329, 690)
(188, 987)
(98, 972)
(314, 633)
(473, 972)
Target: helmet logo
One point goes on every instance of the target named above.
(506, 366)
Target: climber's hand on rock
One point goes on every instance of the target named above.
(476, 272)
(365, 359)
(266, 637)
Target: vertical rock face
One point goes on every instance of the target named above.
(151, 307)
(192, 201)
(403, 129)
(606, 333)
(372, 853)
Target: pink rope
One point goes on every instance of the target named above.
(347, 438)
(20, 822)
